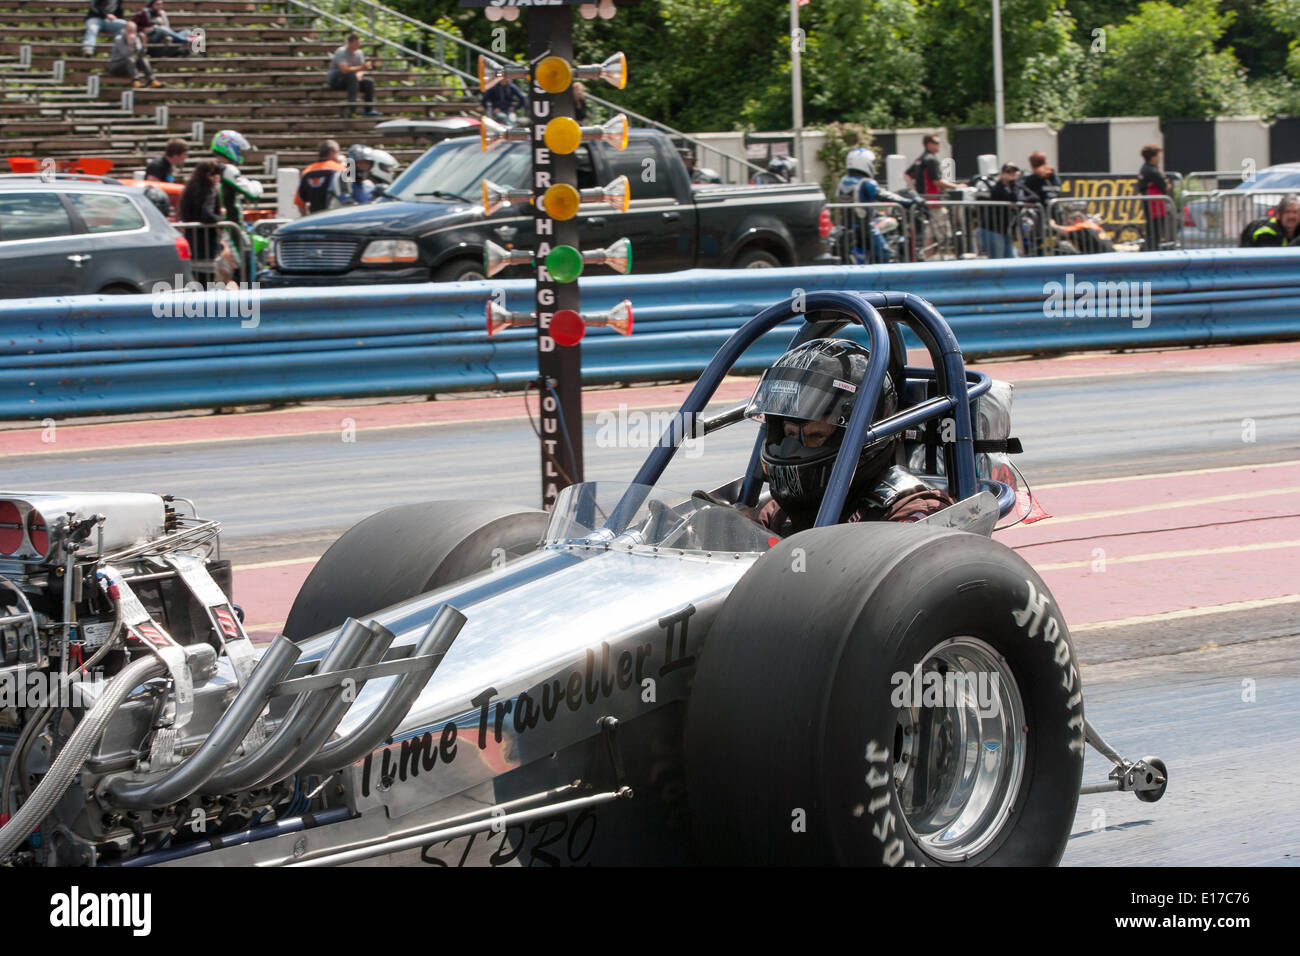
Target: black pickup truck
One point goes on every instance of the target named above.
(437, 204)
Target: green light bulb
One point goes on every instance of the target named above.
(564, 263)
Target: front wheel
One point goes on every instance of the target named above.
(757, 259)
(459, 270)
(884, 695)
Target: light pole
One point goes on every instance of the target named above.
(796, 87)
(1000, 115)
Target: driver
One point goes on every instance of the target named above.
(805, 400)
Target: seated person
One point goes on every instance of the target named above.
(103, 15)
(1083, 232)
(154, 26)
(805, 400)
(128, 58)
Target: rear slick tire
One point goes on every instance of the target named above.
(407, 551)
(813, 738)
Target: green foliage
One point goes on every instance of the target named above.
(863, 62)
(840, 138)
(1163, 61)
(725, 64)
(1285, 18)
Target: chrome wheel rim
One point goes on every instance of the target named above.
(959, 748)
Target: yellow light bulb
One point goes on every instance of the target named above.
(562, 135)
(553, 74)
(561, 202)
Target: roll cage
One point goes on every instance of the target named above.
(946, 386)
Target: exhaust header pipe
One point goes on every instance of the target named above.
(342, 699)
(306, 710)
(383, 720)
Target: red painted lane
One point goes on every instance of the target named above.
(1156, 503)
(266, 594)
(327, 419)
(1261, 536)
(1153, 587)
(1142, 566)
(1137, 562)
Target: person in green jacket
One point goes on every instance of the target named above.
(1282, 228)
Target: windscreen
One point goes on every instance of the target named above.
(641, 516)
(455, 170)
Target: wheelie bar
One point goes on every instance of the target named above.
(1146, 778)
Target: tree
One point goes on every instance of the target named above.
(863, 62)
(1285, 17)
(1041, 63)
(1163, 61)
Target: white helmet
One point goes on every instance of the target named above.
(384, 166)
(861, 160)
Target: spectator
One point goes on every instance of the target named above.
(926, 174)
(1041, 181)
(373, 172)
(997, 223)
(347, 71)
(1151, 182)
(1280, 229)
(499, 102)
(698, 174)
(858, 187)
(200, 202)
(164, 167)
(229, 146)
(1082, 233)
(926, 177)
(103, 15)
(154, 26)
(579, 102)
(1041, 185)
(316, 188)
(128, 58)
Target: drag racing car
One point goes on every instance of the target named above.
(640, 676)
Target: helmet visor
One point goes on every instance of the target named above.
(802, 394)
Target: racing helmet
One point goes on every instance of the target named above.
(360, 153)
(817, 382)
(159, 200)
(861, 160)
(231, 144)
(383, 166)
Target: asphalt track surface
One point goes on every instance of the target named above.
(1172, 478)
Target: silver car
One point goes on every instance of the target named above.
(75, 236)
(1216, 220)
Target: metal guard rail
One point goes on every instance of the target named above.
(90, 355)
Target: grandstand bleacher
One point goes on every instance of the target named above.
(262, 72)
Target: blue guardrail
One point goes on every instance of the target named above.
(90, 355)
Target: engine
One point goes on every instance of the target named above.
(90, 582)
(138, 724)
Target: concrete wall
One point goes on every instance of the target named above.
(1239, 140)
(1128, 134)
(1236, 140)
(1024, 138)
